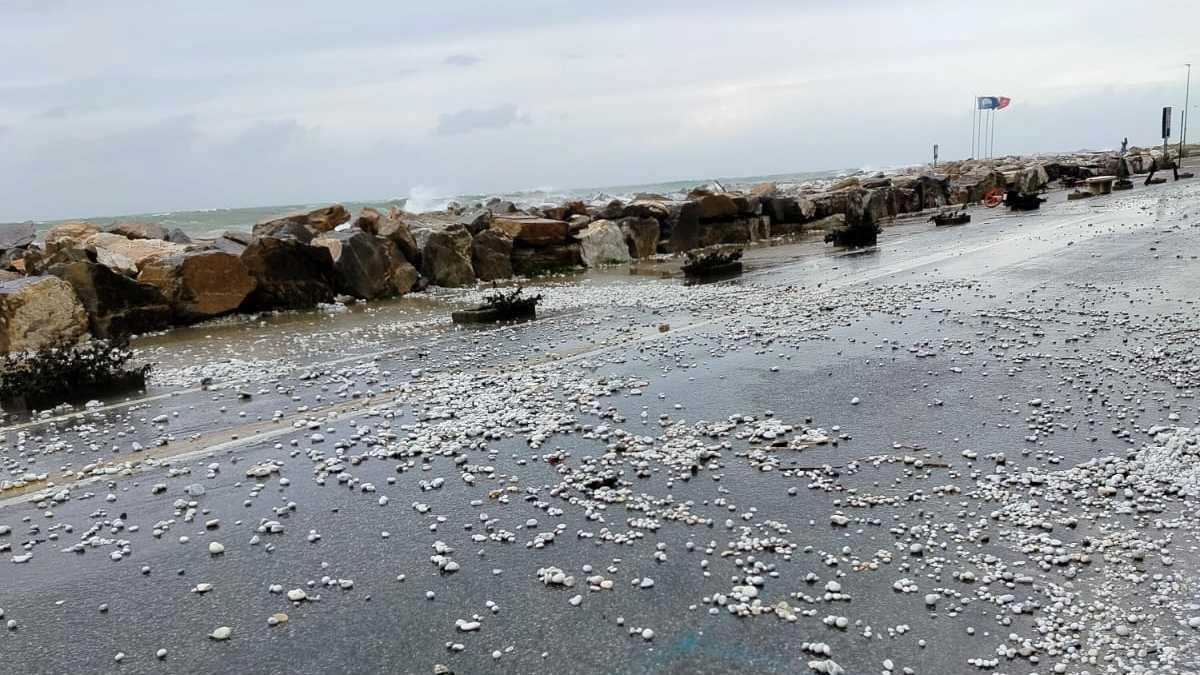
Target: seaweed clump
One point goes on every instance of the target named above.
(501, 306)
(511, 305)
(68, 372)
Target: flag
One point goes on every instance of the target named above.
(993, 102)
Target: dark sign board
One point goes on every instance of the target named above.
(1166, 123)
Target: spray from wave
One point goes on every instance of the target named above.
(423, 198)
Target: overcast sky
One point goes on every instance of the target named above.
(124, 106)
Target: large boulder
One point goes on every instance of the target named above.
(200, 285)
(289, 274)
(689, 230)
(531, 230)
(1028, 179)
(35, 261)
(283, 229)
(602, 243)
(533, 261)
(367, 266)
(230, 244)
(402, 275)
(368, 220)
(316, 221)
(641, 236)
(918, 193)
(491, 255)
(23, 260)
(788, 214)
(116, 305)
(972, 187)
(852, 233)
(128, 255)
(140, 230)
(446, 257)
(16, 235)
(717, 207)
(476, 221)
(760, 227)
(394, 228)
(764, 190)
(69, 234)
(37, 311)
(878, 205)
(846, 200)
(565, 211)
(648, 208)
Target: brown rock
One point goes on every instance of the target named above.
(788, 214)
(317, 221)
(227, 245)
(367, 266)
(23, 260)
(642, 208)
(764, 190)
(200, 284)
(71, 233)
(128, 255)
(446, 258)
(689, 231)
(290, 274)
(402, 275)
(491, 255)
(140, 230)
(115, 304)
(531, 231)
(17, 235)
(368, 220)
(534, 261)
(289, 229)
(641, 234)
(37, 311)
(393, 227)
(717, 207)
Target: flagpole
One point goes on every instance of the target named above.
(974, 121)
(983, 134)
(983, 139)
(987, 132)
(993, 136)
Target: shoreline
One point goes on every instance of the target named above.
(798, 250)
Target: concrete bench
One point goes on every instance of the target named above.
(1100, 185)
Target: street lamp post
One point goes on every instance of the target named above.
(1183, 123)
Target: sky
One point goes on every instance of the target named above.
(129, 106)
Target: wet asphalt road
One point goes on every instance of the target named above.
(1011, 308)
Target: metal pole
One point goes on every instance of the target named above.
(987, 121)
(974, 121)
(990, 116)
(1183, 121)
(992, 143)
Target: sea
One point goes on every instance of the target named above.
(211, 222)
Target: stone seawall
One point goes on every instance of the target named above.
(139, 277)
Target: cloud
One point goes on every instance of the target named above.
(461, 60)
(471, 119)
(363, 99)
